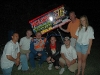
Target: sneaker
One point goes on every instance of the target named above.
(62, 70)
(50, 66)
(19, 67)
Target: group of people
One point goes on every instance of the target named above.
(72, 53)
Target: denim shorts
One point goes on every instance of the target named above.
(81, 48)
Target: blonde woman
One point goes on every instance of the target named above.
(85, 35)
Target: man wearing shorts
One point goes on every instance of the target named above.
(68, 56)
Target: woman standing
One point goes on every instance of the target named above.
(85, 35)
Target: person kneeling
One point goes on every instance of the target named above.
(68, 56)
(53, 50)
(37, 49)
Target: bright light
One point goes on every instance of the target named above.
(51, 18)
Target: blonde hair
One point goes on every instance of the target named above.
(87, 23)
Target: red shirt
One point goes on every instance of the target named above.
(53, 47)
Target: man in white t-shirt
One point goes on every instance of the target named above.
(24, 50)
(68, 56)
(11, 55)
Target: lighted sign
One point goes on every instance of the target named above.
(50, 20)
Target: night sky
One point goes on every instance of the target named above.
(15, 15)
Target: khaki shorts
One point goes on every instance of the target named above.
(24, 51)
(72, 68)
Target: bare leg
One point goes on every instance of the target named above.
(79, 62)
(84, 56)
(61, 64)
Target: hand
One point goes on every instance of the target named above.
(88, 52)
(49, 59)
(52, 60)
(32, 39)
(17, 62)
(39, 54)
(18, 59)
(68, 63)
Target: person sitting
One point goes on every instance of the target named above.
(53, 51)
(37, 48)
(68, 56)
(11, 55)
(24, 50)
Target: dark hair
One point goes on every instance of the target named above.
(54, 37)
(29, 30)
(72, 12)
(14, 33)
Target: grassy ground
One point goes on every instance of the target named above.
(40, 71)
(92, 67)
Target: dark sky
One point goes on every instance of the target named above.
(15, 15)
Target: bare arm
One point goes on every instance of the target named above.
(18, 55)
(89, 47)
(63, 29)
(67, 61)
(73, 61)
(17, 60)
(9, 57)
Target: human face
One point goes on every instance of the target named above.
(28, 33)
(38, 35)
(15, 37)
(83, 21)
(67, 42)
(72, 16)
(53, 40)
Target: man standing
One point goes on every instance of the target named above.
(68, 56)
(11, 55)
(72, 27)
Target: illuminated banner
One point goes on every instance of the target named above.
(50, 20)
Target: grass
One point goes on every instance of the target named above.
(92, 67)
(41, 71)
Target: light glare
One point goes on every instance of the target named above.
(51, 18)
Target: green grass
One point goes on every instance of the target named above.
(41, 71)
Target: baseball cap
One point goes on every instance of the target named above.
(66, 38)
